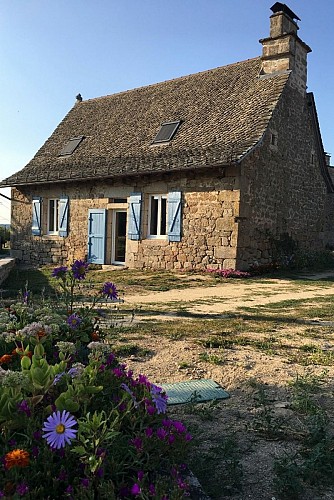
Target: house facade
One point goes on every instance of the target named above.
(204, 171)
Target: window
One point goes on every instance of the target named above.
(166, 132)
(53, 216)
(157, 226)
(274, 139)
(71, 146)
(50, 216)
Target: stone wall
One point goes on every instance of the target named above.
(210, 205)
(6, 265)
(283, 190)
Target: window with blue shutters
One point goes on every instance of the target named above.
(36, 216)
(174, 215)
(134, 219)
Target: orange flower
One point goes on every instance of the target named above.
(41, 333)
(16, 458)
(95, 336)
(6, 358)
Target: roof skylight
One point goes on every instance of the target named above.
(71, 146)
(166, 132)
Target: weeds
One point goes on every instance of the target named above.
(227, 480)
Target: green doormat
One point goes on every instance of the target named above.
(195, 391)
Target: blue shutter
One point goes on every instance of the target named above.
(174, 216)
(63, 216)
(134, 216)
(36, 216)
(97, 235)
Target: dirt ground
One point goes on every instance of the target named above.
(241, 373)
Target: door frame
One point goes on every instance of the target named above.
(114, 211)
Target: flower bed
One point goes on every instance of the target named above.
(75, 422)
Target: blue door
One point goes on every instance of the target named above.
(96, 235)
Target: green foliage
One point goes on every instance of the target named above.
(123, 445)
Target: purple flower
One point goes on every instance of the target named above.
(110, 359)
(142, 379)
(22, 489)
(135, 490)
(151, 410)
(74, 321)
(58, 429)
(118, 372)
(179, 426)
(152, 490)
(85, 482)
(57, 378)
(109, 289)
(62, 476)
(23, 407)
(59, 272)
(69, 490)
(161, 433)
(37, 435)
(35, 451)
(79, 269)
(137, 443)
(159, 399)
(149, 432)
(26, 297)
(140, 475)
(128, 390)
(99, 473)
(171, 439)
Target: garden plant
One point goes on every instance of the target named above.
(75, 422)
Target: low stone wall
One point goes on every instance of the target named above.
(6, 265)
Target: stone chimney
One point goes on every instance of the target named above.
(284, 50)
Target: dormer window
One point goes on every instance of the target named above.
(166, 132)
(71, 146)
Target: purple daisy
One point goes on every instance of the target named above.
(79, 269)
(109, 289)
(59, 272)
(74, 321)
(159, 399)
(58, 429)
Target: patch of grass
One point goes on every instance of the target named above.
(130, 350)
(316, 357)
(303, 388)
(265, 421)
(311, 466)
(215, 359)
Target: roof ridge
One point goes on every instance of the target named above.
(157, 84)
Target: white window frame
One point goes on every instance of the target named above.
(158, 234)
(54, 216)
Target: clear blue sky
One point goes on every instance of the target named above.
(53, 49)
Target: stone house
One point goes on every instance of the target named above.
(203, 171)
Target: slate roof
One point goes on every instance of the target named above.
(224, 113)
